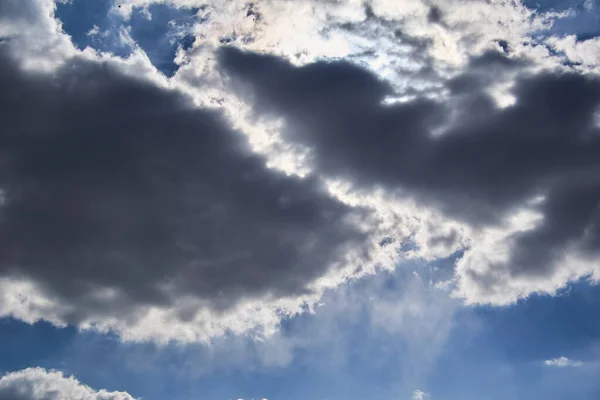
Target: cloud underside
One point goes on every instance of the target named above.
(119, 195)
(125, 206)
(40, 384)
(478, 166)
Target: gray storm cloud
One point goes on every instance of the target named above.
(487, 163)
(119, 194)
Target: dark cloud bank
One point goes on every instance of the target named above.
(488, 161)
(111, 182)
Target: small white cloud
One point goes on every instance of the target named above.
(94, 31)
(562, 362)
(419, 395)
(39, 384)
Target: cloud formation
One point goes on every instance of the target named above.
(119, 195)
(126, 207)
(39, 384)
(486, 163)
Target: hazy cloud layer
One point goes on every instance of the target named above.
(39, 384)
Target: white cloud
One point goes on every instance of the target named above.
(586, 52)
(318, 28)
(562, 362)
(40, 384)
(488, 256)
(419, 395)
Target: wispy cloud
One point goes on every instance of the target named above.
(562, 362)
(419, 395)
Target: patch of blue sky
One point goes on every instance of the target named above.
(583, 23)
(583, 20)
(159, 30)
(499, 353)
(93, 24)
(23, 345)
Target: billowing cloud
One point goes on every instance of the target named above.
(120, 195)
(31, 32)
(449, 126)
(39, 384)
(479, 167)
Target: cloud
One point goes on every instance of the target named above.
(39, 384)
(418, 316)
(179, 230)
(31, 32)
(583, 52)
(419, 395)
(482, 168)
(454, 29)
(562, 362)
(261, 399)
(120, 197)
(409, 314)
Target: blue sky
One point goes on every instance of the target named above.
(158, 29)
(583, 21)
(299, 201)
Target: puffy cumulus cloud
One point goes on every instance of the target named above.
(126, 207)
(584, 53)
(32, 33)
(39, 384)
(525, 172)
(454, 29)
(562, 362)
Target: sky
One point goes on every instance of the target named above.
(293, 200)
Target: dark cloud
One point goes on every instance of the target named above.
(111, 182)
(488, 161)
(434, 15)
